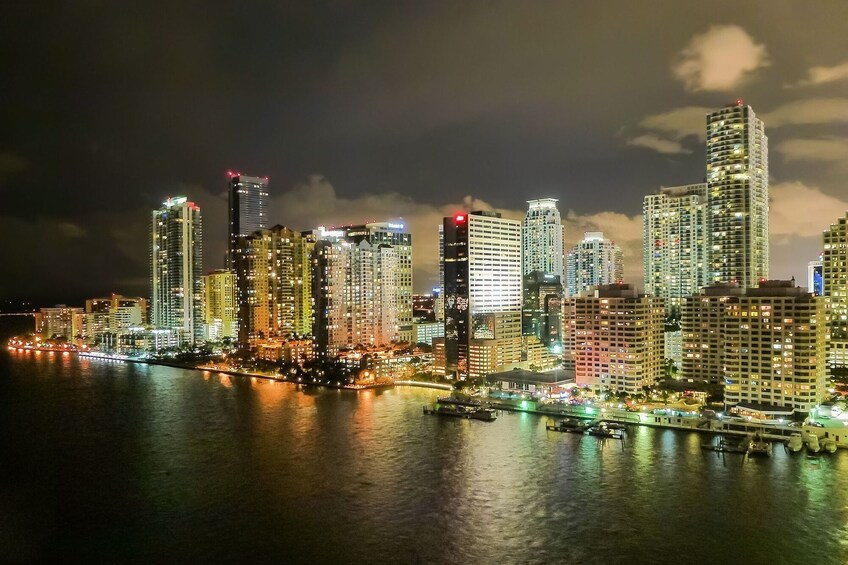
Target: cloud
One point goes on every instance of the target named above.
(664, 146)
(832, 150)
(787, 198)
(680, 122)
(823, 75)
(810, 111)
(721, 59)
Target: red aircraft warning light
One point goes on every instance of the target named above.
(459, 218)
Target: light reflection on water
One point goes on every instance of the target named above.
(111, 461)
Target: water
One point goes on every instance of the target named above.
(104, 461)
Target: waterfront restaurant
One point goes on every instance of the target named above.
(550, 384)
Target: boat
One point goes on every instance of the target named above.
(759, 447)
(813, 445)
(795, 443)
(829, 445)
(569, 425)
(602, 430)
(461, 411)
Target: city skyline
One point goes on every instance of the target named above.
(574, 131)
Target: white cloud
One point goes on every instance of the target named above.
(680, 122)
(790, 198)
(810, 111)
(833, 150)
(658, 144)
(823, 75)
(720, 59)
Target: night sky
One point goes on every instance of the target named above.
(378, 110)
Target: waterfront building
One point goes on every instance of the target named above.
(542, 309)
(542, 238)
(673, 347)
(355, 293)
(272, 276)
(482, 293)
(675, 243)
(248, 208)
(737, 195)
(220, 300)
(395, 235)
(702, 323)
(176, 286)
(60, 322)
(107, 317)
(139, 340)
(592, 262)
(614, 338)
(766, 344)
(815, 277)
(835, 283)
(282, 350)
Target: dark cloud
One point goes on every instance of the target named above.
(109, 107)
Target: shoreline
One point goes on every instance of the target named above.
(661, 421)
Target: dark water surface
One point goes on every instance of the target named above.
(112, 462)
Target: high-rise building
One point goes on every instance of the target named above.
(60, 321)
(737, 195)
(354, 289)
(272, 277)
(835, 283)
(107, 317)
(614, 338)
(542, 309)
(675, 243)
(220, 299)
(542, 234)
(815, 280)
(766, 344)
(482, 293)
(592, 262)
(396, 235)
(176, 284)
(248, 208)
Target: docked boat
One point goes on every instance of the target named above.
(795, 443)
(758, 447)
(461, 411)
(569, 425)
(829, 445)
(603, 430)
(813, 445)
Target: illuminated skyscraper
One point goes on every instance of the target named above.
(737, 195)
(248, 207)
(272, 275)
(542, 238)
(219, 290)
(482, 290)
(675, 242)
(592, 262)
(815, 282)
(835, 282)
(176, 286)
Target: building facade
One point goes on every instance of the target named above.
(542, 238)
(60, 322)
(541, 313)
(737, 195)
(675, 243)
(482, 293)
(248, 208)
(614, 338)
(766, 344)
(835, 283)
(593, 262)
(176, 285)
(272, 278)
(221, 305)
